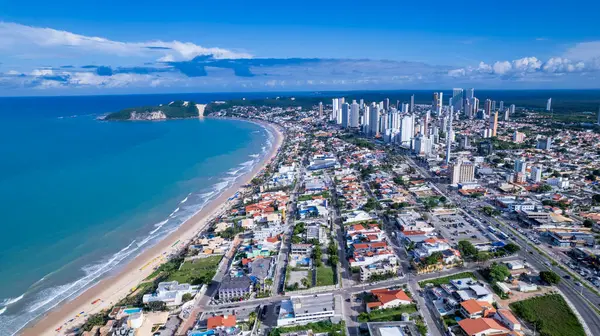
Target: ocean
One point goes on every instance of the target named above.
(80, 197)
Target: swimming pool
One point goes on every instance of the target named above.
(130, 311)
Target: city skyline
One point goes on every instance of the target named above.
(146, 49)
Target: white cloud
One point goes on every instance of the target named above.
(583, 51)
(15, 38)
(502, 68)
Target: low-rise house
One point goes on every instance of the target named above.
(475, 309)
(357, 216)
(507, 318)
(482, 327)
(171, 293)
(388, 299)
(301, 249)
(221, 322)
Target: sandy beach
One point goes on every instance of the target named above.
(112, 289)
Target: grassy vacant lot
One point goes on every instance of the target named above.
(390, 314)
(200, 271)
(550, 313)
(446, 280)
(325, 276)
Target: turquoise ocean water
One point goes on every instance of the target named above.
(80, 197)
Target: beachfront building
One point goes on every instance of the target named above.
(171, 293)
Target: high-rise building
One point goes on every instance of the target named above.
(512, 109)
(598, 117)
(494, 123)
(520, 177)
(520, 166)
(506, 115)
(485, 148)
(373, 120)
(412, 104)
(536, 174)
(544, 144)
(404, 108)
(518, 137)
(354, 114)
(423, 145)
(493, 105)
(345, 115)
(426, 124)
(437, 103)
(501, 107)
(407, 129)
(470, 94)
(386, 104)
(362, 104)
(335, 103)
(457, 99)
(449, 135)
(320, 109)
(475, 105)
(462, 172)
(488, 107)
(549, 104)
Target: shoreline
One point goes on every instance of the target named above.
(115, 287)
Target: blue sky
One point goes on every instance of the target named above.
(151, 46)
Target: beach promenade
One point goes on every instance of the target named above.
(109, 291)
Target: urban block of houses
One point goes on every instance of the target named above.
(388, 299)
(235, 287)
(368, 253)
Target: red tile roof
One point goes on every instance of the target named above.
(221, 321)
(477, 326)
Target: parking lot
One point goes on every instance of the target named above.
(455, 228)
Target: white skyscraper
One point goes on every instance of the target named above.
(470, 94)
(549, 104)
(345, 115)
(320, 109)
(412, 103)
(423, 145)
(335, 103)
(449, 135)
(407, 129)
(512, 109)
(354, 115)
(501, 108)
(396, 120)
(404, 108)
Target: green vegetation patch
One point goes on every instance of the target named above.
(550, 314)
(197, 272)
(325, 276)
(446, 280)
(317, 328)
(390, 314)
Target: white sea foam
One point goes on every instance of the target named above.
(174, 212)
(2, 310)
(9, 301)
(185, 199)
(254, 155)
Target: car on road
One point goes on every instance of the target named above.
(567, 277)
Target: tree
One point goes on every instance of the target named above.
(596, 198)
(186, 297)
(588, 223)
(544, 188)
(482, 257)
(434, 258)
(466, 249)
(498, 272)
(443, 199)
(157, 306)
(550, 277)
(512, 248)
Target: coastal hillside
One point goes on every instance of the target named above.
(175, 110)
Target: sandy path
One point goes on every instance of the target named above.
(113, 289)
